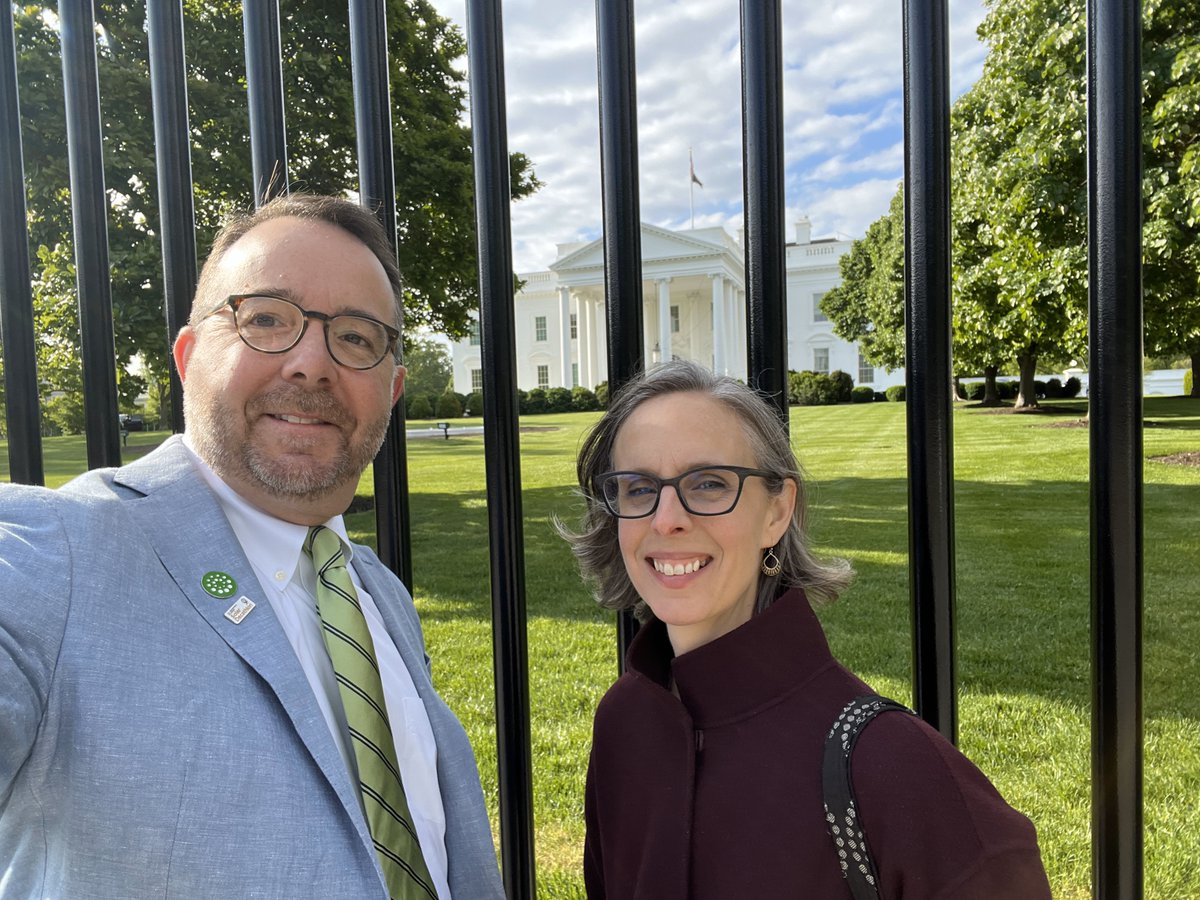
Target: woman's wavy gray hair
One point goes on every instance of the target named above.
(596, 546)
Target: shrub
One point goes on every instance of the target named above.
(1187, 383)
(811, 389)
(583, 400)
(558, 400)
(1008, 390)
(843, 384)
(449, 406)
(862, 394)
(1054, 388)
(474, 404)
(535, 403)
(419, 408)
(1039, 389)
(975, 390)
(880, 397)
(602, 395)
(895, 393)
(1072, 387)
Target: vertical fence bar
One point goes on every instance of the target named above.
(762, 168)
(1115, 435)
(89, 215)
(173, 161)
(617, 79)
(377, 192)
(927, 363)
(23, 416)
(485, 63)
(264, 82)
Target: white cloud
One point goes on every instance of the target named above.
(843, 113)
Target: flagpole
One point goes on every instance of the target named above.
(692, 181)
(692, 187)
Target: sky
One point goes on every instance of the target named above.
(843, 112)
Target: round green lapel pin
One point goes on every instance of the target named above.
(219, 585)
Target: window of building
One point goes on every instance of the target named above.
(539, 328)
(477, 379)
(543, 376)
(866, 371)
(821, 360)
(818, 315)
(574, 326)
(473, 337)
(574, 374)
(674, 320)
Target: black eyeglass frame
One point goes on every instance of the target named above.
(233, 301)
(742, 472)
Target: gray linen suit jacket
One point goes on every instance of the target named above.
(149, 746)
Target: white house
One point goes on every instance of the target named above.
(694, 307)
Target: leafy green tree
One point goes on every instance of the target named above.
(1171, 161)
(432, 163)
(1019, 193)
(429, 366)
(1020, 202)
(867, 308)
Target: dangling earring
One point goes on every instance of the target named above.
(771, 566)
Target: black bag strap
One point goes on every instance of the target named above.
(841, 811)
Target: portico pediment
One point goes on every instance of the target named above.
(664, 253)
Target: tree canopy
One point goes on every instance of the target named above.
(434, 179)
(1019, 195)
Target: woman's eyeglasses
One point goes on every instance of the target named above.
(704, 491)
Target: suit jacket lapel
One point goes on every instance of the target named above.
(189, 532)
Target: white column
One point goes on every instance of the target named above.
(564, 335)
(664, 318)
(718, 323)
(584, 317)
(732, 346)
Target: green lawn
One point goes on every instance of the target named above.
(1023, 610)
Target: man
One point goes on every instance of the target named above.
(198, 698)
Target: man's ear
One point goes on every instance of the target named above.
(398, 383)
(185, 343)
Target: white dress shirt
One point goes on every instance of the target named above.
(275, 549)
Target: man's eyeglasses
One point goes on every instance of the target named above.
(274, 325)
(706, 491)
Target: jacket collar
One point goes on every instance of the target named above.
(182, 519)
(755, 665)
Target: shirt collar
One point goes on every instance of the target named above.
(271, 544)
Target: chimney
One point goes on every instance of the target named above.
(804, 230)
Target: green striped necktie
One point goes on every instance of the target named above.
(353, 656)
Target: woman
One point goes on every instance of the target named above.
(705, 774)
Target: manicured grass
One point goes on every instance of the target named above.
(1022, 539)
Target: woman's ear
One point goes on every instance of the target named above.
(779, 513)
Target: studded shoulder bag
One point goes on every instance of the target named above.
(841, 809)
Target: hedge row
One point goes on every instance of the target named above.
(1050, 389)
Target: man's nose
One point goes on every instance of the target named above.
(309, 359)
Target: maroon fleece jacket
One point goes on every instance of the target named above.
(716, 793)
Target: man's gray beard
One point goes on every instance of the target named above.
(213, 435)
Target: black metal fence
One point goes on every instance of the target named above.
(1114, 175)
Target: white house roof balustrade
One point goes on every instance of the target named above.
(694, 302)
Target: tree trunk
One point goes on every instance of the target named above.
(991, 396)
(1195, 354)
(956, 392)
(1027, 396)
